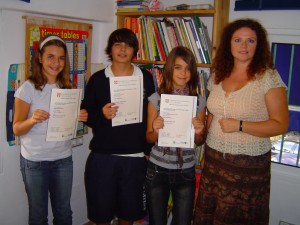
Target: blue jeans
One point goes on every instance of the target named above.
(42, 178)
(160, 182)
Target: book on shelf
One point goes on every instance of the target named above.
(157, 36)
(208, 40)
(202, 84)
(130, 0)
(172, 36)
(153, 45)
(132, 6)
(158, 40)
(171, 32)
(193, 41)
(198, 41)
(135, 29)
(147, 41)
(145, 49)
(182, 32)
(206, 51)
(179, 32)
(163, 39)
(141, 53)
(156, 72)
(132, 9)
(186, 7)
(165, 32)
(128, 3)
(185, 31)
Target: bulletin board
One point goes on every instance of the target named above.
(78, 38)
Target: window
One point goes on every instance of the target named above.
(286, 149)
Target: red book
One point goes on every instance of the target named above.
(158, 41)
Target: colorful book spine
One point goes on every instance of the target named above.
(141, 51)
(144, 35)
(208, 41)
(164, 27)
(123, 3)
(182, 20)
(132, 9)
(158, 41)
(171, 32)
(198, 41)
(193, 42)
(162, 38)
(183, 33)
(153, 45)
(198, 23)
(179, 32)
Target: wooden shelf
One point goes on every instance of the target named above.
(219, 13)
(162, 63)
(203, 12)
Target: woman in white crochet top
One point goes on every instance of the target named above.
(247, 105)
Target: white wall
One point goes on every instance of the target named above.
(89, 9)
(13, 201)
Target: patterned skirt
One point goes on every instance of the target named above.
(234, 189)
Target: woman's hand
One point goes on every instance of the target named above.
(158, 123)
(229, 125)
(83, 115)
(110, 110)
(39, 116)
(198, 125)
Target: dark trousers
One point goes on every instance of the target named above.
(160, 182)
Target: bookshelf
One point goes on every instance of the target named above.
(219, 14)
(218, 18)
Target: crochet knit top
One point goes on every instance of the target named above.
(247, 104)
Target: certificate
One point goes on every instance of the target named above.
(64, 111)
(177, 112)
(127, 93)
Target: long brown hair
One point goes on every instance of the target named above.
(262, 60)
(186, 55)
(38, 78)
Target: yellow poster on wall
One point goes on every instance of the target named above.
(77, 37)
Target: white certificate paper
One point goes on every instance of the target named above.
(127, 93)
(64, 111)
(177, 112)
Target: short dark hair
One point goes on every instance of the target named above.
(122, 35)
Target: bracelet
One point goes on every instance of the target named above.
(241, 125)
